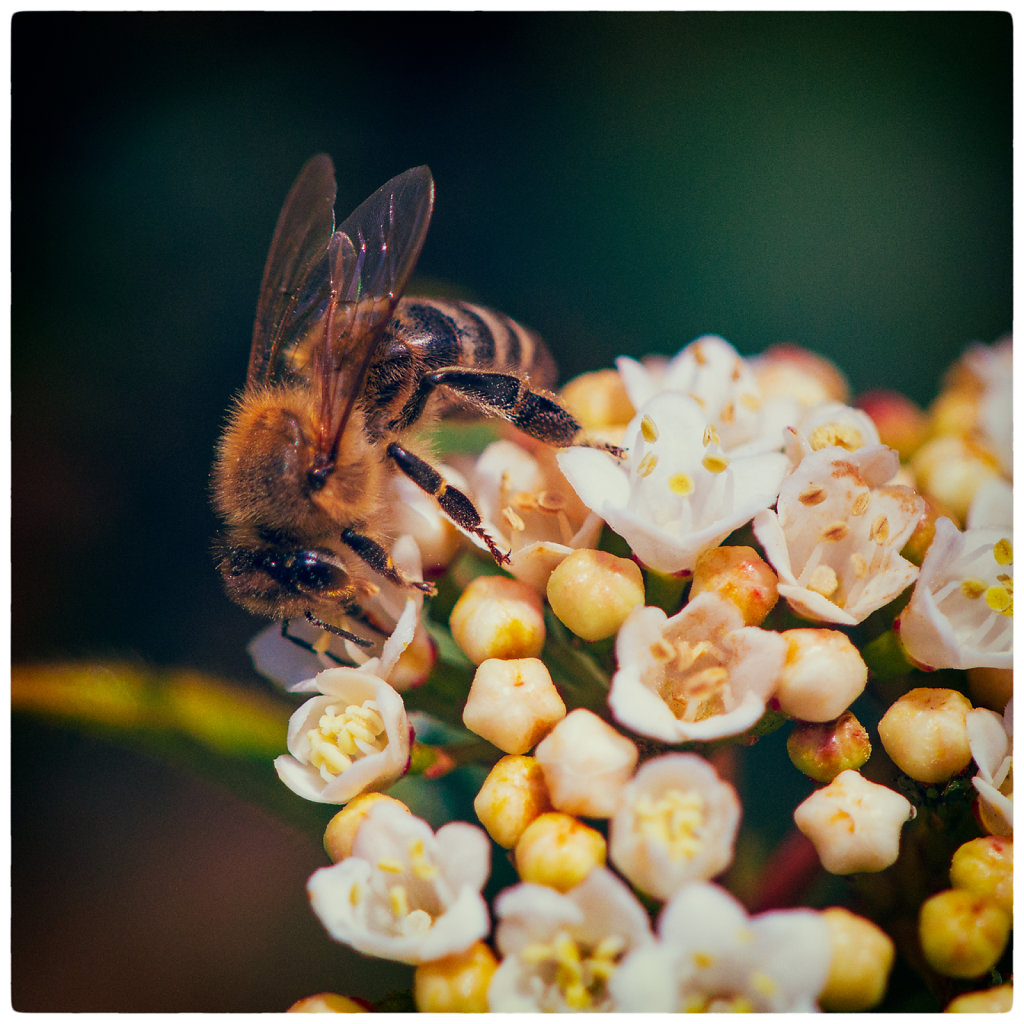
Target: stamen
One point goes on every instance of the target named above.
(860, 503)
(681, 484)
(710, 436)
(673, 820)
(648, 430)
(824, 580)
(836, 532)
(647, 464)
(836, 435)
(1003, 551)
(715, 463)
(814, 495)
(880, 530)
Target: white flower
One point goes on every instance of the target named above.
(676, 823)
(586, 764)
(698, 675)
(830, 425)
(677, 493)
(991, 740)
(294, 659)
(835, 540)
(960, 614)
(711, 957)
(530, 510)
(560, 951)
(406, 893)
(854, 824)
(710, 371)
(354, 737)
(992, 505)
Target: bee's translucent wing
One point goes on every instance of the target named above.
(296, 283)
(372, 255)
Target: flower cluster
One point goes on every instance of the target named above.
(756, 556)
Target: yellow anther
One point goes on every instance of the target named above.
(649, 430)
(399, 901)
(880, 530)
(355, 894)
(1003, 551)
(647, 464)
(662, 650)
(999, 600)
(525, 501)
(699, 355)
(674, 820)
(764, 984)
(710, 436)
(841, 435)
(681, 484)
(512, 519)
(391, 865)
(715, 463)
(422, 867)
(860, 565)
(860, 503)
(823, 580)
(972, 588)
(728, 413)
(813, 496)
(702, 961)
(836, 532)
(550, 501)
(342, 737)
(751, 401)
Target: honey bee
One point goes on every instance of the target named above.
(341, 371)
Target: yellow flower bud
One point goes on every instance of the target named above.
(513, 794)
(512, 704)
(989, 1000)
(962, 935)
(341, 830)
(862, 957)
(951, 469)
(456, 983)
(598, 399)
(498, 617)
(742, 576)
(925, 733)
(592, 592)
(984, 866)
(327, 1002)
(821, 750)
(559, 851)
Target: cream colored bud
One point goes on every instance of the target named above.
(951, 469)
(327, 1002)
(598, 399)
(925, 733)
(822, 676)
(963, 935)
(862, 957)
(512, 704)
(990, 687)
(989, 1000)
(790, 371)
(498, 617)
(341, 830)
(821, 750)
(740, 575)
(586, 764)
(512, 795)
(456, 983)
(559, 851)
(592, 592)
(985, 866)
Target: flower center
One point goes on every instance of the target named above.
(579, 971)
(693, 691)
(673, 820)
(342, 737)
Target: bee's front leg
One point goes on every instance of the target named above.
(377, 558)
(452, 502)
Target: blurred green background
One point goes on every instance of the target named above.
(620, 182)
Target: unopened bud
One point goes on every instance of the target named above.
(498, 617)
(592, 592)
(901, 423)
(512, 795)
(985, 866)
(598, 399)
(790, 371)
(559, 851)
(862, 957)
(457, 983)
(951, 469)
(821, 750)
(341, 830)
(963, 935)
(925, 733)
(328, 1002)
(512, 703)
(822, 676)
(989, 1000)
(740, 575)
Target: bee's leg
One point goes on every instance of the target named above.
(308, 645)
(505, 395)
(378, 559)
(452, 502)
(336, 630)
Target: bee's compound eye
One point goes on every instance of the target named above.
(311, 572)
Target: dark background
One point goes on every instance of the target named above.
(622, 183)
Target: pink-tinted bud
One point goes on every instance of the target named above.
(901, 423)
(822, 750)
(741, 576)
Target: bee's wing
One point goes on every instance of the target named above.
(296, 279)
(371, 257)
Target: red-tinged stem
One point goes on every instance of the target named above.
(788, 874)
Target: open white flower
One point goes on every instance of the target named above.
(676, 823)
(406, 893)
(560, 951)
(835, 540)
(710, 371)
(698, 675)
(678, 493)
(354, 737)
(830, 425)
(530, 510)
(711, 957)
(991, 739)
(960, 614)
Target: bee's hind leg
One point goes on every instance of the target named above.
(452, 502)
